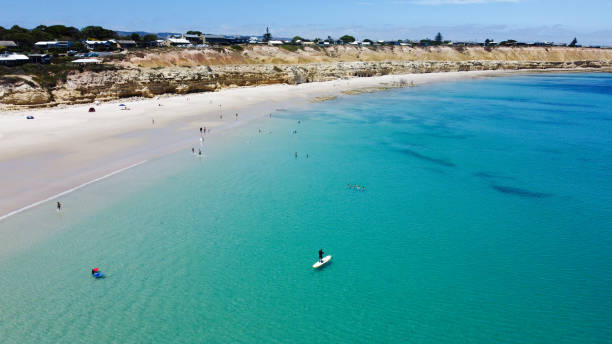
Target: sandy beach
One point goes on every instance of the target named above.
(64, 148)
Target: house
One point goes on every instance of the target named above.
(194, 39)
(13, 59)
(240, 39)
(8, 44)
(95, 44)
(253, 40)
(217, 39)
(275, 42)
(53, 44)
(40, 58)
(176, 42)
(125, 44)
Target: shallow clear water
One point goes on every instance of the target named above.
(487, 218)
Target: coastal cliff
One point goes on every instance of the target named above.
(177, 71)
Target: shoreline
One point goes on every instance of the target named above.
(49, 156)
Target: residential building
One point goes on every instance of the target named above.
(8, 44)
(53, 44)
(13, 59)
(40, 58)
(176, 42)
(217, 39)
(95, 44)
(194, 39)
(125, 44)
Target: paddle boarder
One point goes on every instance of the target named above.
(321, 255)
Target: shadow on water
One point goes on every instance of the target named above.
(418, 155)
(487, 175)
(519, 192)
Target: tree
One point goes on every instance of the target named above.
(98, 32)
(574, 42)
(438, 38)
(267, 36)
(330, 39)
(135, 37)
(368, 40)
(347, 39)
(191, 32)
(149, 37)
(297, 38)
(488, 41)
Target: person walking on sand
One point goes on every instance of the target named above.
(200, 130)
(236, 115)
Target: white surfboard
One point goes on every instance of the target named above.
(322, 262)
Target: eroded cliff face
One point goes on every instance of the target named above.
(87, 86)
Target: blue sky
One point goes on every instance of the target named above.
(526, 20)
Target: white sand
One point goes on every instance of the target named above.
(66, 147)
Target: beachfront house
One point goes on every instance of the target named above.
(7, 45)
(92, 44)
(180, 42)
(253, 40)
(275, 42)
(53, 45)
(217, 39)
(7, 59)
(40, 58)
(194, 39)
(126, 43)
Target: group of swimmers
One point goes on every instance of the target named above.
(356, 187)
(194, 153)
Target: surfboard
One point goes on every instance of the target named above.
(322, 262)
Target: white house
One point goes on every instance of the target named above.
(275, 42)
(176, 42)
(13, 59)
(53, 44)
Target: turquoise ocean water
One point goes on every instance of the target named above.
(487, 219)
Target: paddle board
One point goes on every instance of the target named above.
(322, 262)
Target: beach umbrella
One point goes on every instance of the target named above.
(121, 104)
(96, 270)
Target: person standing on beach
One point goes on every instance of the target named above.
(200, 130)
(192, 150)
